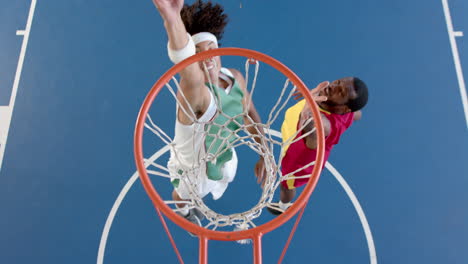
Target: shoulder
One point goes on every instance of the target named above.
(341, 122)
(239, 79)
(237, 75)
(326, 124)
(357, 115)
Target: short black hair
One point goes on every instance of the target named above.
(360, 101)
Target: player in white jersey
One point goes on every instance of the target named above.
(190, 29)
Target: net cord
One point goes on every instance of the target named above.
(264, 149)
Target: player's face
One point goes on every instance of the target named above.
(338, 93)
(213, 65)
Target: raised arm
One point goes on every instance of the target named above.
(181, 46)
(306, 117)
(170, 13)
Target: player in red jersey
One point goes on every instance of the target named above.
(340, 103)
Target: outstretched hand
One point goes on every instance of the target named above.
(314, 92)
(169, 9)
(260, 172)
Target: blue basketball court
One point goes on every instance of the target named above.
(73, 75)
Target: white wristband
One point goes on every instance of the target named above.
(177, 56)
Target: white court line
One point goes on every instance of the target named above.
(118, 201)
(6, 122)
(334, 172)
(4, 117)
(456, 58)
(359, 211)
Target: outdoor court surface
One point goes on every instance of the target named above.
(73, 79)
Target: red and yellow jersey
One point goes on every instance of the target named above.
(297, 154)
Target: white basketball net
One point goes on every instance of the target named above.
(243, 220)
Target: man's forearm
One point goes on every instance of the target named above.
(255, 129)
(176, 33)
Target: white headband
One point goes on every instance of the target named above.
(204, 36)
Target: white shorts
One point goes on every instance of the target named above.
(186, 160)
(199, 182)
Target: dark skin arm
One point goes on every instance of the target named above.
(306, 117)
(311, 139)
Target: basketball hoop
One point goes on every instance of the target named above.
(205, 234)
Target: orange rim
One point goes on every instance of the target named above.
(180, 221)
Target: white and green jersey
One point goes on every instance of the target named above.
(194, 143)
(223, 132)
